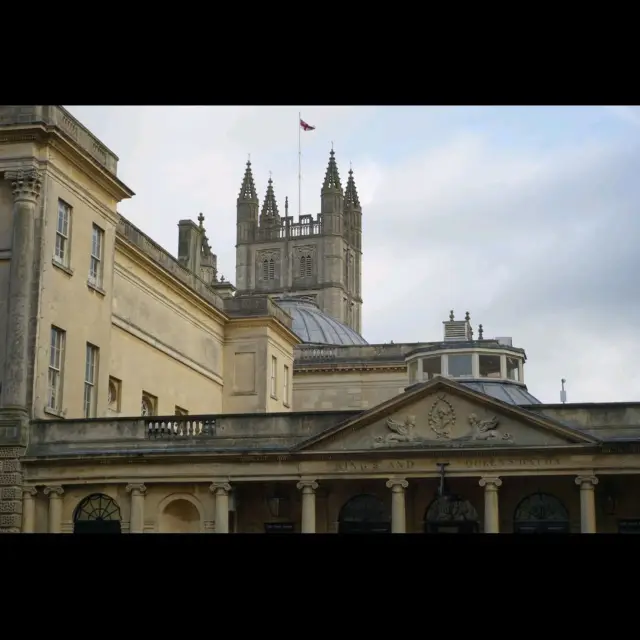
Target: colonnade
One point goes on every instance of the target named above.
(308, 488)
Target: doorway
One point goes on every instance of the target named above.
(364, 513)
(97, 513)
(451, 514)
(541, 513)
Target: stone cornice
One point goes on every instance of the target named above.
(178, 278)
(324, 367)
(56, 127)
(267, 321)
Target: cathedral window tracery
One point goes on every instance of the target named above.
(306, 266)
(268, 269)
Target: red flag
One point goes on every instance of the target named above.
(305, 126)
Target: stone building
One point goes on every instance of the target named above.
(143, 393)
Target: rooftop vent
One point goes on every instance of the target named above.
(458, 330)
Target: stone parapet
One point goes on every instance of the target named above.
(61, 119)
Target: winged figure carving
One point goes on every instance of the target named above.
(487, 429)
(400, 431)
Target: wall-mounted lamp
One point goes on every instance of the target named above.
(277, 501)
(609, 502)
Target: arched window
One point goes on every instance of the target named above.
(306, 266)
(364, 513)
(451, 514)
(541, 513)
(97, 513)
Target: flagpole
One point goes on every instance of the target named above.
(299, 164)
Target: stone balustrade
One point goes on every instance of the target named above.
(61, 119)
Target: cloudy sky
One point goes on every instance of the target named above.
(528, 217)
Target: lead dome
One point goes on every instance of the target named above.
(313, 326)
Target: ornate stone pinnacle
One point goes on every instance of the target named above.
(201, 219)
(451, 316)
(332, 177)
(248, 187)
(351, 193)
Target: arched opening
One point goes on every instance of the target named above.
(364, 514)
(541, 513)
(97, 513)
(451, 514)
(180, 516)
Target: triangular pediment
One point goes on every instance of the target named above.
(445, 414)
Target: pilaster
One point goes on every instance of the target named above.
(587, 484)
(221, 491)
(55, 508)
(491, 506)
(29, 509)
(26, 185)
(308, 488)
(398, 509)
(136, 519)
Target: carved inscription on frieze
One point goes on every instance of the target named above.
(355, 466)
(485, 463)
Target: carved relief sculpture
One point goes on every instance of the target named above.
(400, 431)
(487, 429)
(442, 422)
(442, 417)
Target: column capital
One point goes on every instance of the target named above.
(587, 481)
(29, 491)
(220, 488)
(136, 489)
(25, 184)
(307, 486)
(53, 492)
(490, 483)
(397, 484)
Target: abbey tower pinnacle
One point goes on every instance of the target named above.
(318, 258)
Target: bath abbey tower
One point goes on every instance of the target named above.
(317, 259)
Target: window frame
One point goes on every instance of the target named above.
(286, 383)
(96, 260)
(62, 242)
(460, 355)
(56, 372)
(516, 368)
(91, 370)
(274, 377)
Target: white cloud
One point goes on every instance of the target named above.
(536, 244)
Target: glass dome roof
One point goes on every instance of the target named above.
(313, 326)
(505, 391)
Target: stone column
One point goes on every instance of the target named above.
(136, 519)
(398, 513)
(221, 491)
(587, 486)
(26, 191)
(29, 509)
(308, 488)
(55, 508)
(491, 510)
